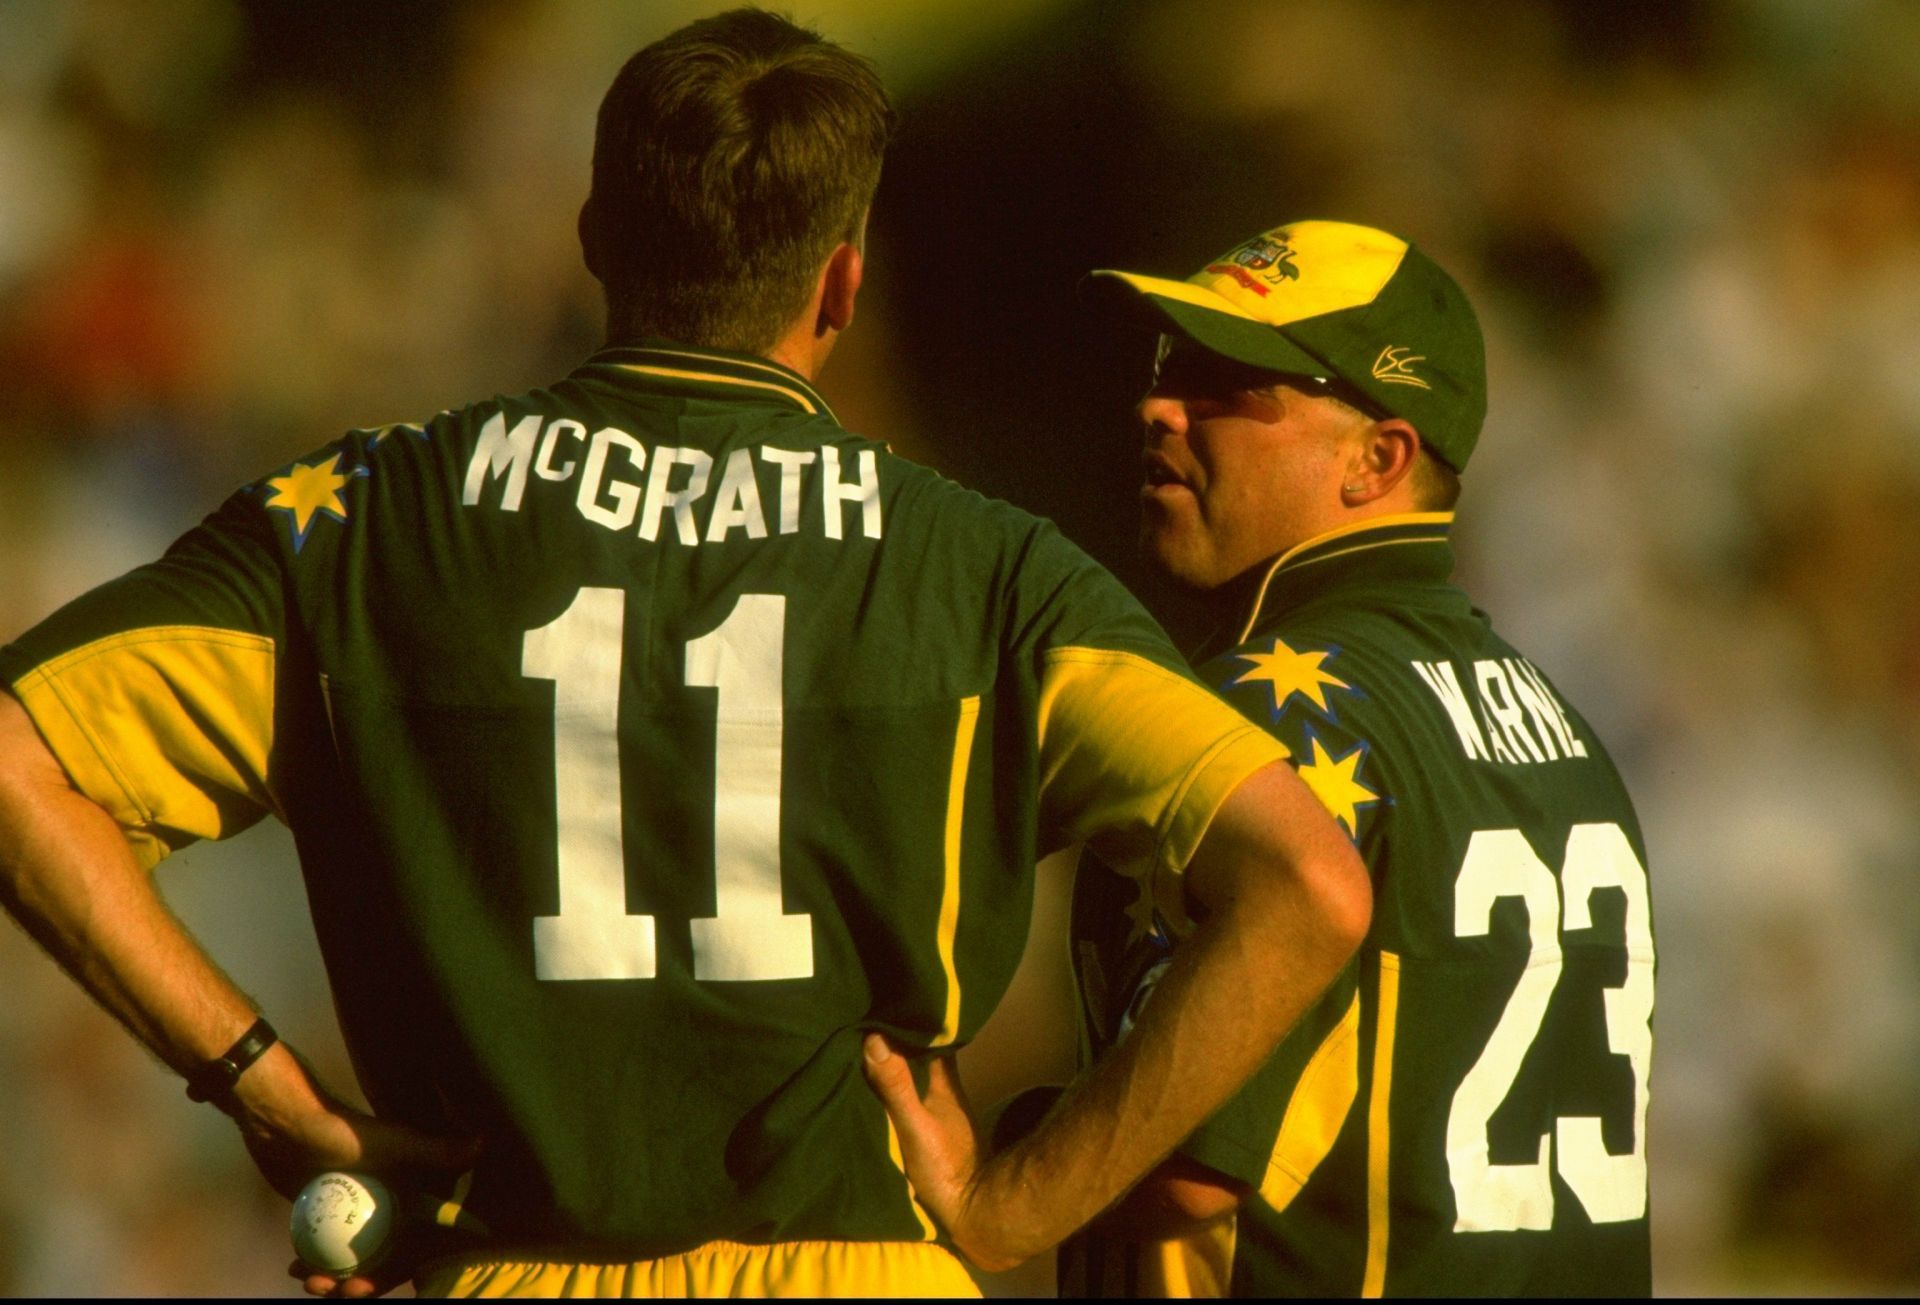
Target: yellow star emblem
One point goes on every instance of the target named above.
(1289, 672)
(307, 489)
(1334, 782)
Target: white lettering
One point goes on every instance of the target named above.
(865, 491)
(1532, 696)
(737, 501)
(789, 461)
(545, 467)
(1445, 683)
(624, 495)
(499, 453)
(625, 484)
(1501, 750)
(1532, 686)
(659, 498)
(1497, 695)
(1538, 713)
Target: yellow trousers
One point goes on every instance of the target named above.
(726, 1269)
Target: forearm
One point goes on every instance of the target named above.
(70, 879)
(1181, 1196)
(1285, 901)
(1215, 1017)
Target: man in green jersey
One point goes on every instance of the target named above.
(1465, 1111)
(652, 744)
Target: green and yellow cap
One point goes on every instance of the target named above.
(1334, 301)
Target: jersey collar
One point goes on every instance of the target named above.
(1408, 545)
(717, 373)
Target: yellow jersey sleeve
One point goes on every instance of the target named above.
(156, 691)
(1136, 759)
(167, 728)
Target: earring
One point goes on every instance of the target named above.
(1351, 489)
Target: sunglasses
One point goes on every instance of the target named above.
(1188, 368)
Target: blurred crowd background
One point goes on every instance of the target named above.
(230, 230)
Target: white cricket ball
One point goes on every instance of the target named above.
(343, 1222)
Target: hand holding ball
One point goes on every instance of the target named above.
(343, 1223)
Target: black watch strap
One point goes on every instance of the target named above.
(213, 1080)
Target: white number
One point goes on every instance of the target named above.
(1612, 1188)
(593, 936)
(1500, 864)
(749, 937)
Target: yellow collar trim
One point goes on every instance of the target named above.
(798, 396)
(771, 369)
(1341, 532)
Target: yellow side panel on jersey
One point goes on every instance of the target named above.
(949, 924)
(1136, 760)
(896, 1269)
(950, 896)
(1316, 1111)
(167, 728)
(1198, 1266)
(1377, 1121)
(900, 1162)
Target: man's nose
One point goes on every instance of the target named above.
(1161, 416)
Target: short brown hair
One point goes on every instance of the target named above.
(1436, 486)
(729, 160)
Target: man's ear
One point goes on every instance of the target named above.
(1382, 460)
(589, 230)
(839, 285)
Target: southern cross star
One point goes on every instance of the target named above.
(1288, 672)
(308, 489)
(1335, 781)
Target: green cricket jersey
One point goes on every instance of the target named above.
(1464, 1112)
(646, 740)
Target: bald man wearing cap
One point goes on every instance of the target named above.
(1464, 1112)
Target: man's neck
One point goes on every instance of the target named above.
(1238, 591)
(798, 354)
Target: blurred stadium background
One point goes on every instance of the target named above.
(229, 230)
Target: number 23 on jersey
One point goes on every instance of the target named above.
(1492, 1197)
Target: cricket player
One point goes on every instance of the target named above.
(1465, 1111)
(652, 744)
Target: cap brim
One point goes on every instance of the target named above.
(1182, 308)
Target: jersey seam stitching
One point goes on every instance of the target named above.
(101, 753)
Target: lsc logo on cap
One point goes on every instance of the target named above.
(1395, 366)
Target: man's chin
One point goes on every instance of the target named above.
(1161, 548)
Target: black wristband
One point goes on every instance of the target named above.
(216, 1078)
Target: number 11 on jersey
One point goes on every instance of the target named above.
(593, 936)
(749, 937)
